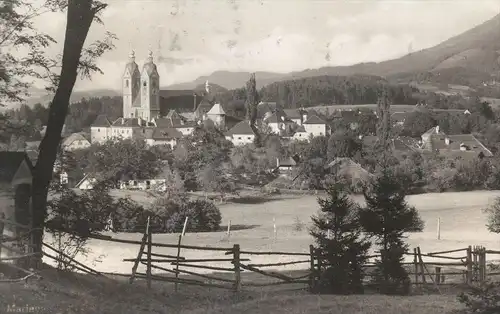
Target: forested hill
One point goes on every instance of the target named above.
(331, 90)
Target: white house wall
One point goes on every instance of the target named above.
(240, 139)
(99, 134)
(315, 129)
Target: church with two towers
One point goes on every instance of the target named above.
(158, 116)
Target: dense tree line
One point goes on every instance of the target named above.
(328, 90)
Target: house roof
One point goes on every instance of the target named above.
(301, 128)
(72, 138)
(173, 114)
(10, 163)
(273, 118)
(32, 145)
(101, 122)
(314, 119)
(469, 141)
(287, 162)
(293, 113)
(265, 107)
(217, 110)
(129, 122)
(85, 178)
(166, 134)
(433, 130)
(241, 128)
(348, 167)
(174, 122)
(399, 116)
(404, 143)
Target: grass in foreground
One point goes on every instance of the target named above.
(62, 292)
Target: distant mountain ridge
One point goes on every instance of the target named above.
(470, 58)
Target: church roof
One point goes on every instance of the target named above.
(166, 134)
(101, 121)
(132, 68)
(129, 122)
(149, 66)
(217, 110)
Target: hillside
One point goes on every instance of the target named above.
(231, 80)
(41, 96)
(475, 52)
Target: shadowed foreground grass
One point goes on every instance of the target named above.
(61, 292)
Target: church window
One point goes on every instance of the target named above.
(132, 115)
(126, 83)
(144, 84)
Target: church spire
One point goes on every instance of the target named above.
(150, 56)
(132, 56)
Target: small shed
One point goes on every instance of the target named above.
(16, 177)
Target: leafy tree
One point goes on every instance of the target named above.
(341, 144)
(345, 250)
(117, 160)
(215, 179)
(75, 59)
(367, 122)
(417, 123)
(73, 217)
(387, 217)
(493, 212)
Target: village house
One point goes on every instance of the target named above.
(300, 134)
(164, 136)
(287, 164)
(86, 183)
(297, 116)
(275, 122)
(159, 185)
(316, 126)
(464, 146)
(74, 142)
(241, 134)
(16, 175)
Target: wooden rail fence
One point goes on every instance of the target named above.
(459, 266)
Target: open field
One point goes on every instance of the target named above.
(462, 224)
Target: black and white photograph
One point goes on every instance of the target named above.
(249, 156)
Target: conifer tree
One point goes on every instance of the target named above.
(338, 238)
(387, 217)
(251, 103)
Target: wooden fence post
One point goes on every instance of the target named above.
(312, 275)
(415, 264)
(421, 264)
(237, 270)
(438, 275)
(178, 261)
(150, 244)
(469, 265)
(482, 265)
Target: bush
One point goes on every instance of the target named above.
(169, 216)
(482, 300)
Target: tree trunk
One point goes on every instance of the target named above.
(79, 19)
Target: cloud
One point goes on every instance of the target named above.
(194, 38)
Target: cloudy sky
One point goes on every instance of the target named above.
(190, 38)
